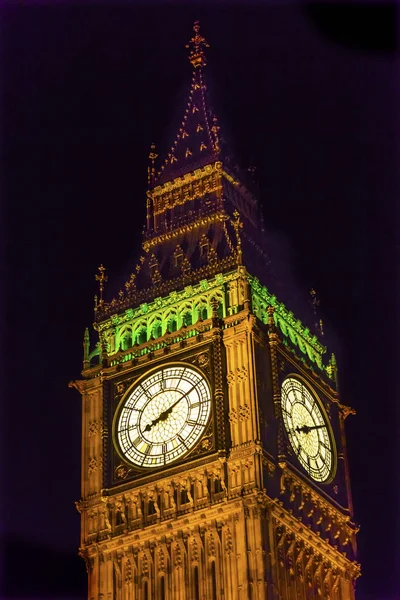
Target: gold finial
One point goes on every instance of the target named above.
(215, 129)
(86, 349)
(101, 279)
(315, 304)
(196, 47)
(151, 172)
(238, 224)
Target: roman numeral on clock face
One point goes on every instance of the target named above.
(137, 440)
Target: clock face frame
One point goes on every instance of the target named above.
(163, 416)
(308, 429)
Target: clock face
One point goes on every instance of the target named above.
(163, 417)
(307, 429)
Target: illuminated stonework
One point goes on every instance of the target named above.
(214, 462)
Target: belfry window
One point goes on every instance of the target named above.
(153, 270)
(178, 259)
(204, 249)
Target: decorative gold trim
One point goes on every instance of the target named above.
(169, 235)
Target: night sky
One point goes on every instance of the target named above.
(306, 94)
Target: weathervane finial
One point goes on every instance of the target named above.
(151, 172)
(196, 47)
(102, 278)
(319, 326)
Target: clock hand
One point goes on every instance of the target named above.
(307, 428)
(164, 415)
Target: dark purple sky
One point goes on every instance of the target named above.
(85, 92)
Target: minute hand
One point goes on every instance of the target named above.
(307, 428)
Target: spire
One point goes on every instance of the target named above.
(197, 141)
(196, 47)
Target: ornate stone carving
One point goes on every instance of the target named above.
(145, 565)
(162, 562)
(232, 416)
(95, 427)
(211, 544)
(178, 556)
(206, 444)
(92, 465)
(203, 359)
(228, 541)
(230, 378)
(195, 550)
(236, 376)
(128, 572)
(121, 472)
(244, 412)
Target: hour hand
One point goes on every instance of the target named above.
(308, 428)
(155, 422)
(164, 415)
(150, 425)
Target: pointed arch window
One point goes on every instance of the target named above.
(204, 247)
(162, 588)
(213, 581)
(142, 336)
(178, 258)
(203, 313)
(172, 325)
(146, 590)
(187, 318)
(157, 330)
(184, 497)
(196, 583)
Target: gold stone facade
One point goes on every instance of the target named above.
(236, 518)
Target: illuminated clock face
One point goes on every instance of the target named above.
(307, 429)
(163, 417)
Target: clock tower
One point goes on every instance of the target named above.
(214, 461)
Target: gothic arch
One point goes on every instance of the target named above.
(124, 338)
(140, 334)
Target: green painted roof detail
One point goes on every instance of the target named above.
(292, 328)
(152, 320)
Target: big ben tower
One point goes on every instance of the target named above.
(214, 461)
